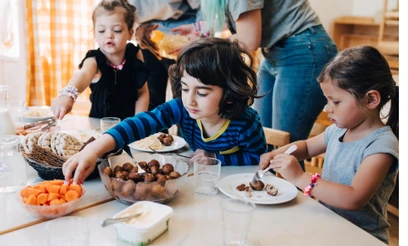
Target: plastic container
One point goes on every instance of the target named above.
(51, 211)
(144, 229)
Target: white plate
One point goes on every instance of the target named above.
(42, 109)
(178, 143)
(286, 190)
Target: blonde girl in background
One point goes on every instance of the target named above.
(361, 162)
(115, 71)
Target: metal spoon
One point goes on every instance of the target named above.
(139, 169)
(110, 221)
(260, 173)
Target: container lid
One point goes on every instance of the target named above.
(152, 214)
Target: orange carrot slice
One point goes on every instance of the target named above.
(71, 195)
(40, 187)
(24, 192)
(53, 196)
(76, 188)
(31, 199)
(42, 198)
(32, 191)
(55, 202)
(63, 189)
(54, 189)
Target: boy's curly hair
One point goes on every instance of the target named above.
(110, 5)
(220, 62)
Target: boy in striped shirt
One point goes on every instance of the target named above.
(213, 88)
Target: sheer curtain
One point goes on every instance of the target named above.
(59, 33)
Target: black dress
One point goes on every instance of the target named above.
(115, 94)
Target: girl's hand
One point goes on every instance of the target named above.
(266, 158)
(83, 163)
(288, 166)
(185, 29)
(199, 153)
(61, 106)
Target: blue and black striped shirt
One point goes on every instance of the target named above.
(240, 141)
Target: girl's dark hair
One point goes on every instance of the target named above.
(361, 69)
(220, 62)
(110, 5)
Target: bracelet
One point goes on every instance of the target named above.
(312, 184)
(70, 91)
(199, 29)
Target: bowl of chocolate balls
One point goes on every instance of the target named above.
(154, 177)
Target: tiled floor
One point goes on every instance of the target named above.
(394, 230)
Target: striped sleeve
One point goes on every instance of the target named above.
(252, 143)
(147, 123)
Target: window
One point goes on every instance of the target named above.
(9, 35)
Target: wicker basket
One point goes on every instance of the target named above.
(48, 172)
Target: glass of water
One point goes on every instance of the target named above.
(207, 173)
(108, 122)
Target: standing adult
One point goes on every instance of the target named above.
(295, 47)
(167, 14)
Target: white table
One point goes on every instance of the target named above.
(197, 221)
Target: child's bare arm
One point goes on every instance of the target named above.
(142, 103)
(143, 97)
(365, 184)
(80, 80)
(84, 162)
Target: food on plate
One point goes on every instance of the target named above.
(50, 193)
(38, 112)
(257, 186)
(241, 187)
(151, 141)
(155, 142)
(269, 188)
(166, 139)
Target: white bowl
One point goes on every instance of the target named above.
(144, 229)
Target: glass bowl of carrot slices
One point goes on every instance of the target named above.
(51, 199)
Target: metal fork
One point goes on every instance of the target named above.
(184, 156)
(260, 173)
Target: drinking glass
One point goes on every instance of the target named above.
(13, 172)
(108, 122)
(206, 172)
(16, 109)
(68, 231)
(236, 219)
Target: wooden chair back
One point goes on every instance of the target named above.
(278, 138)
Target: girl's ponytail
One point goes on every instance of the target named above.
(393, 117)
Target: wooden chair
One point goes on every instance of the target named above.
(277, 138)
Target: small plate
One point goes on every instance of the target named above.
(286, 190)
(178, 143)
(37, 113)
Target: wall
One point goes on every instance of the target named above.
(13, 70)
(328, 10)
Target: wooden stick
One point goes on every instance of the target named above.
(16, 228)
